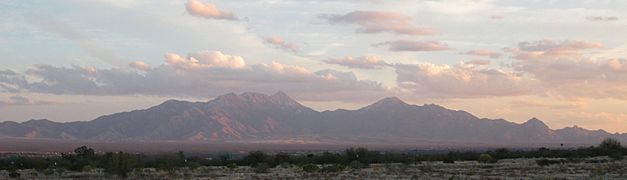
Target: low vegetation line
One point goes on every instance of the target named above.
(121, 163)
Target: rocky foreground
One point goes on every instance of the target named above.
(591, 168)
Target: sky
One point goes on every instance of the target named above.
(562, 61)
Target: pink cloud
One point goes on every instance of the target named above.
(365, 62)
(207, 10)
(406, 45)
(478, 62)
(444, 81)
(550, 48)
(279, 42)
(205, 59)
(377, 22)
(484, 53)
(139, 65)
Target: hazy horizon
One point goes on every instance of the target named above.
(560, 61)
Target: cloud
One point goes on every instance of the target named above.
(478, 62)
(207, 10)
(205, 59)
(378, 22)
(406, 45)
(497, 17)
(279, 42)
(365, 62)
(566, 71)
(201, 75)
(93, 47)
(551, 49)
(11, 81)
(484, 53)
(22, 101)
(526, 103)
(602, 18)
(444, 81)
(139, 65)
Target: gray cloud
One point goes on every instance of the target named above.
(201, 79)
(22, 101)
(602, 18)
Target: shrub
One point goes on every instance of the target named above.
(231, 166)
(617, 156)
(610, 144)
(484, 158)
(333, 168)
(546, 162)
(310, 168)
(262, 168)
(14, 174)
(355, 165)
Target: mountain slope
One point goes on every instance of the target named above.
(254, 116)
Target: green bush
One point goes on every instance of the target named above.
(333, 168)
(231, 166)
(546, 162)
(14, 174)
(310, 168)
(617, 156)
(484, 158)
(356, 165)
(262, 168)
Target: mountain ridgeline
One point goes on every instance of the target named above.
(255, 117)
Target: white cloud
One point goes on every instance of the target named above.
(204, 59)
(444, 81)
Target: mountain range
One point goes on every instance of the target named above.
(256, 117)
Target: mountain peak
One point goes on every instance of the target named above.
(535, 122)
(385, 103)
(391, 101)
(280, 94)
(282, 98)
(254, 97)
(279, 98)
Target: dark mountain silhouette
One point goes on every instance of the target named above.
(256, 117)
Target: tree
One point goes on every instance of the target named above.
(255, 158)
(610, 144)
(612, 148)
(484, 158)
(120, 163)
(84, 152)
